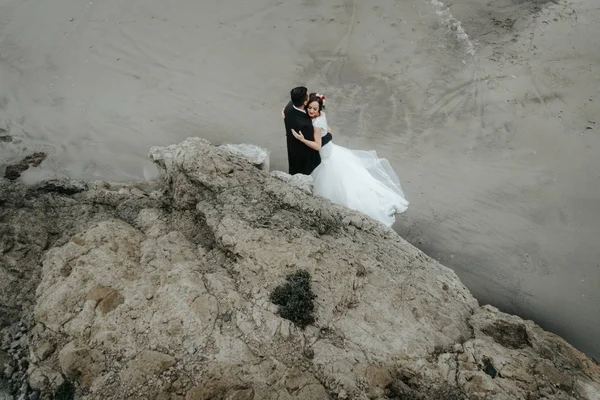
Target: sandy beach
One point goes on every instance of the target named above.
(489, 111)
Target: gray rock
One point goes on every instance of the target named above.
(304, 182)
(24, 390)
(211, 246)
(191, 350)
(37, 379)
(9, 370)
(5, 358)
(14, 171)
(256, 155)
(44, 350)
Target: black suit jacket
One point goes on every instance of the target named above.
(301, 158)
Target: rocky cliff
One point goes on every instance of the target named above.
(162, 290)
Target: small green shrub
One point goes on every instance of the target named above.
(295, 299)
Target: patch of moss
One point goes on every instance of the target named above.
(66, 391)
(508, 334)
(398, 390)
(295, 299)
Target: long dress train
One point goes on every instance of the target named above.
(359, 180)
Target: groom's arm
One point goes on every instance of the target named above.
(286, 109)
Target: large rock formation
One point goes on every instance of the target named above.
(161, 291)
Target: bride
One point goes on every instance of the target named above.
(356, 179)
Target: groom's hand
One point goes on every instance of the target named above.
(298, 135)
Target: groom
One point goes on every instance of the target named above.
(301, 158)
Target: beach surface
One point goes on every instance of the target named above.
(489, 111)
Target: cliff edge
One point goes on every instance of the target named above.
(163, 290)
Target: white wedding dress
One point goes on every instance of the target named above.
(358, 180)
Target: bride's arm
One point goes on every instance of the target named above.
(316, 145)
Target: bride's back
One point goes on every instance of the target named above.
(321, 122)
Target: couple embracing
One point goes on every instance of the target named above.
(356, 179)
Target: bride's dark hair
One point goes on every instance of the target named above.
(313, 97)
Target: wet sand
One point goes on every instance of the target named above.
(488, 110)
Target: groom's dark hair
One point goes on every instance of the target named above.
(298, 95)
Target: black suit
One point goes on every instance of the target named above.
(301, 158)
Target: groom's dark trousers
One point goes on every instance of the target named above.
(301, 158)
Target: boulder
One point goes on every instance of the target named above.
(254, 154)
(167, 295)
(304, 182)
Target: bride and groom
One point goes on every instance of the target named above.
(356, 179)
